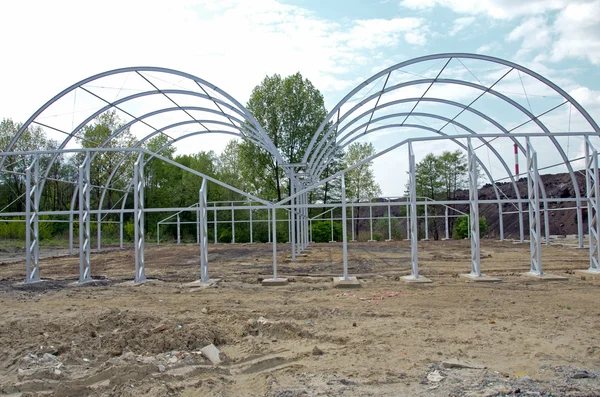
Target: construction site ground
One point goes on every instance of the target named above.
(453, 337)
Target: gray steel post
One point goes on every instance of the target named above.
(389, 221)
(250, 211)
(178, 230)
(546, 221)
(534, 211)
(138, 215)
(215, 222)
(474, 211)
(121, 230)
(593, 194)
(71, 233)
(331, 222)
(274, 228)
(198, 239)
(32, 205)
(579, 225)
(447, 225)
(500, 222)
(414, 249)
(293, 216)
(84, 220)
(311, 230)
(344, 230)
(268, 226)
(158, 233)
(99, 232)
(521, 226)
(426, 223)
(351, 221)
(371, 220)
(407, 221)
(203, 220)
(232, 224)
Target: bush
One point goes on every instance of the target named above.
(321, 231)
(461, 227)
(225, 236)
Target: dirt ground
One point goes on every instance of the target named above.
(108, 338)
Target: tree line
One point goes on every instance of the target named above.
(290, 109)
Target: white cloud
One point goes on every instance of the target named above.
(461, 24)
(534, 33)
(498, 9)
(487, 49)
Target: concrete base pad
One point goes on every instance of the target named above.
(545, 277)
(413, 280)
(389, 239)
(591, 273)
(371, 241)
(23, 283)
(274, 282)
(132, 283)
(202, 284)
(352, 282)
(481, 279)
(333, 241)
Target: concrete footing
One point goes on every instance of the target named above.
(414, 280)
(371, 241)
(352, 282)
(591, 273)
(545, 276)
(202, 284)
(274, 282)
(479, 279)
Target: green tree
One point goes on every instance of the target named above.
(290, 110)
(104, 162)
(461, 227)
(12, 179)
(360, 182)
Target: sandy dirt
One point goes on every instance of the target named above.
(108, 338)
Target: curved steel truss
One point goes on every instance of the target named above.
(469, 100)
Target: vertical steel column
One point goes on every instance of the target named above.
(32, 208)
(371, 219)
(474, 211)
(426, 223)
(138, 215)
(251, 240)
(500, 222)
(98, 229)
(447, 225)
(203, 220)
(579, 224)
(298, 222)
(268, 226)
(121, 230)
(389, 221)
(232, 224)
(198, 240)
(351, 220)
(71, 232)
(414, 249)
(593, 194)
(344, 230)
(158, 233)
(215, 222)
(293, 217)
(533, 180)
(331, 222)
(178, 230)
(546, 221)
(84, 220)
(407, 220)
(521, 226)
(310, 228)
(275, 244)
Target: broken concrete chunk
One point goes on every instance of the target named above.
(455, 363)
(211, 353)
(435, 376)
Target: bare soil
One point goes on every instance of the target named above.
(388, 338)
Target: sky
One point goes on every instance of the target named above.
(234, 44)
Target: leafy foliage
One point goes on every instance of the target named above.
(461, 227)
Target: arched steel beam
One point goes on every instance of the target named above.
(149, 136)
(492, 92)
(486, 58)
(273, 151)
(247, 115)
(442, 118)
